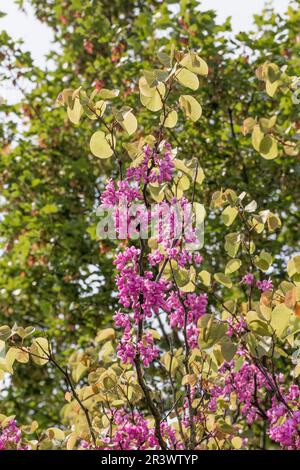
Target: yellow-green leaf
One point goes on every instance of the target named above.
(232, 266)
(293, 267)
(40, 351)
(171, 119)
(190, 106)
(104, 335)
(222, 279)
(187, 78)
(100, 145)
(280, 318)
(257, 137)
(129, 123)
(5, 332)
(56, 433)
(205, 277)
(268, 148)
(237, 443)
(229, 215)
(75, 112)
(108, 94)
(194, 63)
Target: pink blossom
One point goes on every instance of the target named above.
(248, 279)
(10, 437)
(264, 285)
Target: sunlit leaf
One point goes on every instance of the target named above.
(100, 145)
(171, 119)
(232, 266)
(108, 94)
(190, 106)
(195, 64)
(187, 79)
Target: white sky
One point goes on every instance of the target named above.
(37, 36)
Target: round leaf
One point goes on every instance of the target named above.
(190, 106)
(100, 145)
(129, 123)
(187, 79)
(195, 64)
(171, 119)
(232, 266)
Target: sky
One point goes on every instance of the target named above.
(37, 36)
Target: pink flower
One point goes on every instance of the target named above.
(248, 279)
(154, 168)
(10, 437)
(264, 285)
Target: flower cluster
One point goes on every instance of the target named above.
(155, 167)
(285, 419)
(113, 196)
(10, 437)
(187, 308)
(134, 431)
(263, 286)
(250, 385)
(143, 296)
(139, 293)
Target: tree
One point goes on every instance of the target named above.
(50, 240)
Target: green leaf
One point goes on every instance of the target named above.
(5, 332)
(49, 209)
(238, 363)
(171, 119)
(263, 261)
(100, 145)
(268, 148)
(272, 73)
(195, 64)
(205, 277)
(155, 77)
(228, 350)
(105, 335)
(75, 112)
(187, 79)
(222, 279)
(280, 318)
(257, 137)
(164, 59)
(229, 215)
(190, 106)
(40, 351)
(108, 94)
(211, 331)
(257, 324)
(232, 266)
